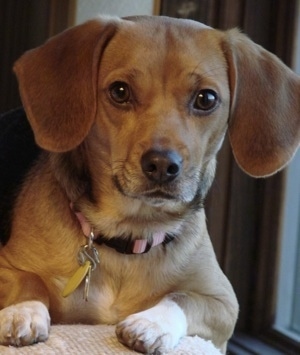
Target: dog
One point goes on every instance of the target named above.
(109, 224)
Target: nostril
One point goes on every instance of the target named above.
(173, 169)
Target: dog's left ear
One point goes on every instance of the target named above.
(264, 124)
(58, 84)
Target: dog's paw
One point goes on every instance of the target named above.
(155, 330)
(24, 323)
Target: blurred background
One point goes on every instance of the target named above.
(254, 223)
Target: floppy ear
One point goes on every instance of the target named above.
(58, 84)
(264, 125)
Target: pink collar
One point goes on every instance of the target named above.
(124, 245)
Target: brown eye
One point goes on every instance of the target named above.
(119, 92)
(206, 100)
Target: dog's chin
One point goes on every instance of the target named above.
(158, 199)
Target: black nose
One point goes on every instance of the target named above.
(161, 165)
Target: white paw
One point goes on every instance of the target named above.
(155, 330)
(24, 323)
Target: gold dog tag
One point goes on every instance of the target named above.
(77, 278)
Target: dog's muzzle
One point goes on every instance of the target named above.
(161, 166)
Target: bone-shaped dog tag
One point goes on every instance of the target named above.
(82, 272)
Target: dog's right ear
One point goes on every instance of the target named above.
(264, 126)
(58, 84)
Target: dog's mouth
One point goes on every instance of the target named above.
(155, 195)
(158, 194)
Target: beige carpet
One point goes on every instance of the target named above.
(99, 340)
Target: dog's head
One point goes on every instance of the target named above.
(154, 96)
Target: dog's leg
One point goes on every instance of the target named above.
(24, 323)
(157, 329)
(160, 328)
(24, 316)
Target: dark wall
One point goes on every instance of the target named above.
(25, 24)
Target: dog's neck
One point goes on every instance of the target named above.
(124, 245)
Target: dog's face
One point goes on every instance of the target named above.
(162, 112)
(153, 97)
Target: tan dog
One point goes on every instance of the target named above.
(130, 114)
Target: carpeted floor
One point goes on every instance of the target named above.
(99, 340)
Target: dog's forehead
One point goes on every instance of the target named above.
(151, 40)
